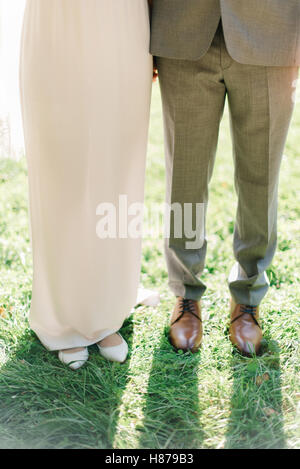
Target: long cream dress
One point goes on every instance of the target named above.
(85, 87)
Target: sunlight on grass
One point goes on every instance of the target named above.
(130, 412)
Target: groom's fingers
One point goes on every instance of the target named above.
(155, 71)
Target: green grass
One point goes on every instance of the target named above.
(157, 399)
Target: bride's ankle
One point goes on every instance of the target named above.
(73, 350)
(111, 341)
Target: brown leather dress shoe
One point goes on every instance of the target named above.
(245, 332)
(186, 325)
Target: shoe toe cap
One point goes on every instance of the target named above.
(248, 345)
(117, 353)
(73, 360)
(186, 340)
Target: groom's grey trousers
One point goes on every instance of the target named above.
(260, 100)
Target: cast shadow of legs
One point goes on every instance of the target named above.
(46, 405)
(171, 411)
(256, 419)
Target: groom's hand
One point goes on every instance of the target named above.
(155, 71)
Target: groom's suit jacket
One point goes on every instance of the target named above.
(257, 32)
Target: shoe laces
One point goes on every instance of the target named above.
(247, 309)
(186, 306)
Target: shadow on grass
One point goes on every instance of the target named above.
(45, 405)
(256, 419)
(171, 411)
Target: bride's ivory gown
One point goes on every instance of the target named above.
(85, 86)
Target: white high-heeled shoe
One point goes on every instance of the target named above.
(116, 353)
(74, 360)
(147, 297)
